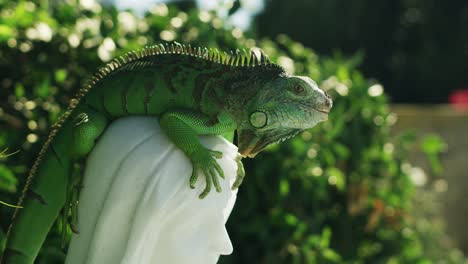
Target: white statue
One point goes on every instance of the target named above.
(136, 205)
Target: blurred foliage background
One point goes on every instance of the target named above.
(339, 193)
(416, 48)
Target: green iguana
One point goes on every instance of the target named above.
(193, 91)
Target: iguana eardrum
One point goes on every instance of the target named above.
(193, 91)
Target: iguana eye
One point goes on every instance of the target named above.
(298, 89)
(258, 119)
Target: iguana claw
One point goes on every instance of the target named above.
(205, 162)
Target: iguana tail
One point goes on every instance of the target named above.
(45, 194)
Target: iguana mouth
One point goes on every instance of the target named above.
(322, 111)
(251, 151)
(250, 144)
(247, 153)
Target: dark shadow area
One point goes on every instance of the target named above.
(417, 49)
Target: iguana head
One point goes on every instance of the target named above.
(280, 109)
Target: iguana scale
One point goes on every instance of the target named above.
(193, 91)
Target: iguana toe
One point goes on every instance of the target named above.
(240, 173)
(208, 185)
(204, 161)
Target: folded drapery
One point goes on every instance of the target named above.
(136, 205)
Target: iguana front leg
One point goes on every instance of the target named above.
(240, 172)
(183, 128)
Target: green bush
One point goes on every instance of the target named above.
(339, 193)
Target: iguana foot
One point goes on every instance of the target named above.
(76, 184)
(240, 173)
(205, 162)
(69, 213)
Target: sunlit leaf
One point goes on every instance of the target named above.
(60, 75)
(6, 33)
(7, 179)
(433, 144)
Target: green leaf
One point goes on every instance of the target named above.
(235, 6)
(60, 75)
(284, 187)
(341, 150)
(326, 235)
(331, 255)
(336, 177)
(6, 33)
(2, 239)
(291, 219)
(19, 90)
(43, 89)
(433, 144)
(7, 179)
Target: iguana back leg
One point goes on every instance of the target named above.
(87, 125)
(69, 213)
(77, 185)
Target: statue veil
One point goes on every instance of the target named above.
(136, 205)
